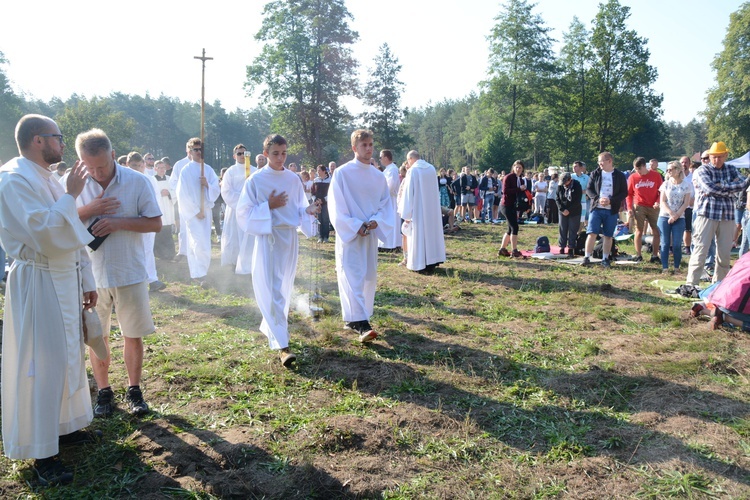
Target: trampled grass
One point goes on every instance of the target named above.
(493, 378)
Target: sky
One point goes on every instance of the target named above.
(149, 46)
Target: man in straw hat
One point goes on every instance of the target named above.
(715, 183)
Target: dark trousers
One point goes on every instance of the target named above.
(569, 230)
(551, 212)
(164, 243)
(324, 221)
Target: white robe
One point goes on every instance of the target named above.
(148, 238)
(420, 203)
(358, 194)
(393, 238)
(274, 262)
(189, 192)
(166, 203)
(45, 390)
(182, 243)
(232, 239)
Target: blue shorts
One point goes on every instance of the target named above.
(602, 221)
(738, 213)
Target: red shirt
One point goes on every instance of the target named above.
(645, 189)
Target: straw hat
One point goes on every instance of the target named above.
(718, 148)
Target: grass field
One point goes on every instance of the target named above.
(493, 378)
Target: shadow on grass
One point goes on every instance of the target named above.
(550, 413)
(166, 456)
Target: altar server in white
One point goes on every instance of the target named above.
(191, 187)
(271, 208)
(392, 240)
(173, 178)
(231, 187)
(359, 205)
(45, 393)
(419, 206)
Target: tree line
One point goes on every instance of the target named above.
(545, 108)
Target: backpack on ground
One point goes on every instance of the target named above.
(598, 252)
(542, 245)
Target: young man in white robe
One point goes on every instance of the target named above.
(45, 392)
(247, 240)
(271, 208)
(136, 162)
(392, 241)
(173, 178)
(196, 222)
(420, 208)
(231, 188)
(164, 241)
(359, 206)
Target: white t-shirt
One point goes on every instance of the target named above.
(676, 194)
(607, 188)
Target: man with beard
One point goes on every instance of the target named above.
(45, 392)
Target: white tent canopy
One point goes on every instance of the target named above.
(741, 162)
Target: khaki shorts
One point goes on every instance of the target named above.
(644, 213)
(131, 306)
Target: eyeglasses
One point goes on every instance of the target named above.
(705, 158)
(59, 136)
(197, 150)
(240, 153)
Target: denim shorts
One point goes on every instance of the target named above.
(602, 221)
(738, 213)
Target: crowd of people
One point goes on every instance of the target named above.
(84, 241)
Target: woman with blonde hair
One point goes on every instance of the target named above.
(676, 195)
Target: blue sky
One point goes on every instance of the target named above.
(148, 46)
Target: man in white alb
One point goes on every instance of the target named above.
(45, 392)
(231, 188)
(359, 206)
(191, 187)
(392, 240)
(420, 208)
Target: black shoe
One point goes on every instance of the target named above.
(80, 437)
(51, 471)
(136, 405)
(586, 262)
(637, 258)
(105, 403)
(156, 286)
(655, 260)
(571, 253)
(606, 263)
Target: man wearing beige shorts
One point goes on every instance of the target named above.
(118, 204)
(643, 205)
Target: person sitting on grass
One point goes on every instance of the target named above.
(728, 303)
(271, 207)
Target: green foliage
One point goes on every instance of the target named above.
(382, 96)
(620, 79)
(10, 113)
(520, 61)
(81, 115)
(305, 67)
(728, 110)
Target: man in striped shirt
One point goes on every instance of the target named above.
(715, 184)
